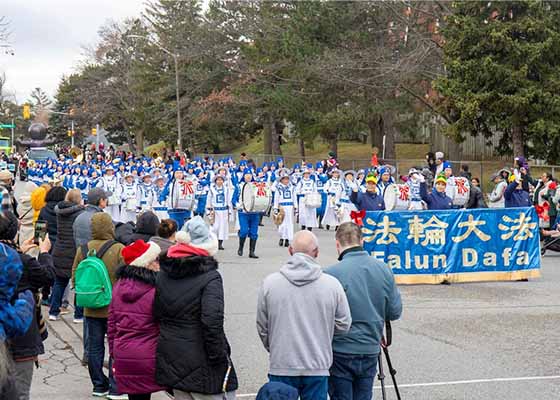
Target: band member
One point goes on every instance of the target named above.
(285, 198)
(82, 182)
(307, 215)
(201, 193)
(159, 205)
(219, 206)
(385, 178)
(110, 183)
(346, 205)
(321, 179)
(413, 184)
(181, 197)
(371, 200)
(248, 220)
(333, 189)
(146, 193)
(129, 199)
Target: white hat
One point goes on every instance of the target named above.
(439, 155)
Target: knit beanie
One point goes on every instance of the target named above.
(195, 237)
(8, 225)
(141, 254)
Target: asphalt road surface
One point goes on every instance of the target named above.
(498, 340)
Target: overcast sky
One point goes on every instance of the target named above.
(48, 35)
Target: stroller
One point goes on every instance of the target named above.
(550, 240)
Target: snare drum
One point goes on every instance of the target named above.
(313, 200)
(255, 196)
(114, 200)
(130, 204)
(397, 197)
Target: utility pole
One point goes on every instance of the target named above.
(179, 140)
(72, 137)
(97, 138)
(13, 137)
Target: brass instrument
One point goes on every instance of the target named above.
(278, 218)
(154, 155)
(77, 154)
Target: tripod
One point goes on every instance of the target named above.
(385, 343)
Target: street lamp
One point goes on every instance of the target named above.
(176, 60)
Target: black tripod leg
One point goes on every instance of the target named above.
(381, 376)
(392, 371)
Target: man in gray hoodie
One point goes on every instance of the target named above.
(299, 311)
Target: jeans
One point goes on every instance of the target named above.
(59, 286)
(352, 377)
(308, 387)
(97, 328)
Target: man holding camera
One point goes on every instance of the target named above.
(373, 298)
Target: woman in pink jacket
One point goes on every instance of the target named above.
(132, 330)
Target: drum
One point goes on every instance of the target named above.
(313, 200)
(186, 200)
(114, 200)
(397, 197)
(130, 204)
(255, 196)
(460, 190)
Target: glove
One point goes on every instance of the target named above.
(421, 178)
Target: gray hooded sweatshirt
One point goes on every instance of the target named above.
(299, 310)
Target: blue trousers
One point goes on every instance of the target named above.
(179, 216)
(249, 225)
(56, 297)
(308, 387)
(352, 377)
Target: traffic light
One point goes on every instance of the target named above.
(94, 131)
(26, 111)
(69, 133)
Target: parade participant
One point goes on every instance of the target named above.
(496, 197)
(146, 193)
(82, 182)
(346, 204)
(94, 178)
(321, 179)
(296, 175)
(333, 189)
(110, 184)
(385, 179)
(299, 310)
(515, 195)
(159, 205)
(307, 215)
(219, 206)
(370, 200)
(133, 341)
(181, 197)
(129, 200)
(248, 220)
(413, 183)
(285, 198)
(373, 298)
(201, 192)
(437, 199)
(189, 305)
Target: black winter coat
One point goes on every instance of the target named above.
(48, 214)
(36, 274)
(189, 304)
(64, 249)
(476, 198)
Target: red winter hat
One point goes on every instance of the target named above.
(140, 253)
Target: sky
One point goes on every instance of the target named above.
(47, 37)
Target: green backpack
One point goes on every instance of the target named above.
(93, 285)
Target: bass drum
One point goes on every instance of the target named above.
(397, 197)
(460, 190)
(313, 200)
(255, 197)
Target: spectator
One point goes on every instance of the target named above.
(440, 160)
(465, 172)
(476, 198)
(496, 197)
(15, 318)
(514, 194)
(38, 199)
(26, 212)
(431, 161)
(132, 330)
(437, 199)
(373, 298)
(97, 201)
(64, 251)
(102, 233)
(165, 234)
(47, 213)
(9, 203)
(277, 391)
(146, 227)
(299, 309)
(37, 273)
(189, 305)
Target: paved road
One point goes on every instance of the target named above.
(467, 341)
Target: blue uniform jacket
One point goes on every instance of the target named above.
(367, 201)
(516, 198)
(435, 200)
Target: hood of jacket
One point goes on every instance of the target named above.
(179, 268)
(65, 208)
(301, 269)
(147, 223)
(102, 227)
(135, 282)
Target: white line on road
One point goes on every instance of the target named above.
(449, 383)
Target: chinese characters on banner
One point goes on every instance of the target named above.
(455, 245)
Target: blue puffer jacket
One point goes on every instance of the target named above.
(435, 200)
(368, 201)
(516, 198)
